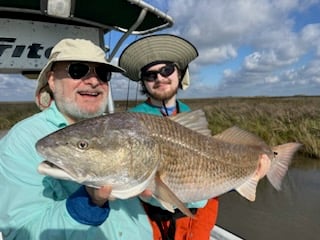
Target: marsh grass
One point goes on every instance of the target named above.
(13, 112)
(276, 120)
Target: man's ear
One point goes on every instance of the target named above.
(179, 74)
(51, 81)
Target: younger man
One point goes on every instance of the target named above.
(160, 63)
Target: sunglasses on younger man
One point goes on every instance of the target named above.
(151, 76)
(80, 70)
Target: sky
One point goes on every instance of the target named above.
(246, 48)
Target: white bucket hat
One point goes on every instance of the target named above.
(69, 50)
(157, 48)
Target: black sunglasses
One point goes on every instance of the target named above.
(80, 70)
(151, 76)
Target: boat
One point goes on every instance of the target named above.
(52, 20)
(219, 233)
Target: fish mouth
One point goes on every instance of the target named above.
(49, 168)
(50, 164)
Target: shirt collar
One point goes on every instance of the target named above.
(54, 116)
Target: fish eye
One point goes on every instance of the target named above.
(82, 144)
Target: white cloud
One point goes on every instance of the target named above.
(272, 79)
(15, 87)
(310, 33)
(217, 54)
(265, 61)
(310, 37)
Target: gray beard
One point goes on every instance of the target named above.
(72, 110)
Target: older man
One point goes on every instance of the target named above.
(72, 86)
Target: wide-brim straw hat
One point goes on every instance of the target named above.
(69, 50)
(157, 48)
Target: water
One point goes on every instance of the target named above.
(292, 213)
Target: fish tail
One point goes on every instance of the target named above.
(282, 158)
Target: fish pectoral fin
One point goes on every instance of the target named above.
(168, 199)
(166, 205)
(248, 189)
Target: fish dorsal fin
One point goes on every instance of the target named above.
(194, 120)
(248, 189)
(237, 135)
(168, 199)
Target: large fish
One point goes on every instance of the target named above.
(175, 157)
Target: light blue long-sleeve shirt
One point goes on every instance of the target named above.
(33, 206)
(146, 107)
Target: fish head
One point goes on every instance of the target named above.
(107, 150)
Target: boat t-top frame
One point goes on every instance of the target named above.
(29, 29)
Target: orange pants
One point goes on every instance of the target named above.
(186, 228)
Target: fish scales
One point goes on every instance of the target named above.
(193, 165)
(175, 157)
